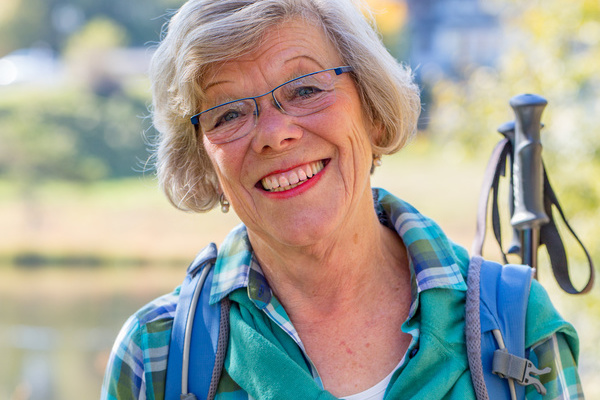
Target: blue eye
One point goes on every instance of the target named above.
(307, 91)
(302, 94)
(228, 117)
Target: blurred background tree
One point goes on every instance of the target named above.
(24, 23)
(88, 124)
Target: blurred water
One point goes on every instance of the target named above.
(55, 341)
(39, 362)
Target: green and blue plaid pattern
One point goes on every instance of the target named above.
(137, 365)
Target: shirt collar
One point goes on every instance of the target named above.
(434, 258)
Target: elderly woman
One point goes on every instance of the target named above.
(281, 109)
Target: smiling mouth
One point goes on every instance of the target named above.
(293, 178)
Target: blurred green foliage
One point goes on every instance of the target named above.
(71, 133)
(99, 33)
(550, 47)
(91, 125)
(24, 23)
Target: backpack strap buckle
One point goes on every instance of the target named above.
(509, 366)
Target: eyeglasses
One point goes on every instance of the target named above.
(299, 97)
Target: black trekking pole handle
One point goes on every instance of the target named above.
(528, 174)
(508, 131)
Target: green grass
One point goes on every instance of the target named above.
(123, 220)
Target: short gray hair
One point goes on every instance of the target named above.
(207, 32)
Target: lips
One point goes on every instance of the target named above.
(292, 178)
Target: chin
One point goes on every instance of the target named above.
(304, 233)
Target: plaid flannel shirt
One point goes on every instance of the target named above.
(138, 361)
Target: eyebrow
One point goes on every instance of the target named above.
(301, 56)
(292, 76)
(211, 84)
(222, 98)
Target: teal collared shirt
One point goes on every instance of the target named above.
(137, 366)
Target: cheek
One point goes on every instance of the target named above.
(351, 126)
(350, 109)
(226, 161)
(215, 156)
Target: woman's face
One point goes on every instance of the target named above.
(333, 144)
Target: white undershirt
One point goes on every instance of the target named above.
(377, 391)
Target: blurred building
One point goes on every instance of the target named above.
(446, 36)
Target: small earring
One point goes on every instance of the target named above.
(224, 203)
(377, 161)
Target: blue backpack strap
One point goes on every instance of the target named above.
(496, 310)
(203, 356)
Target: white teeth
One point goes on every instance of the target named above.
(315, 169)
(293, 178)
(302, 175)
(283, 182)
(273, 182)
(309, 171)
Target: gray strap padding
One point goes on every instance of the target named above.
(473, 329)
(222, 344)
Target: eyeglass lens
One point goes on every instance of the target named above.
(299, 97)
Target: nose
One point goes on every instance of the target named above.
(274, 131)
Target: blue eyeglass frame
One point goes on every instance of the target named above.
(195, 119)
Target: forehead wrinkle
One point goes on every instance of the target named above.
(215, 92)
(283, 50)
(213, 77)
